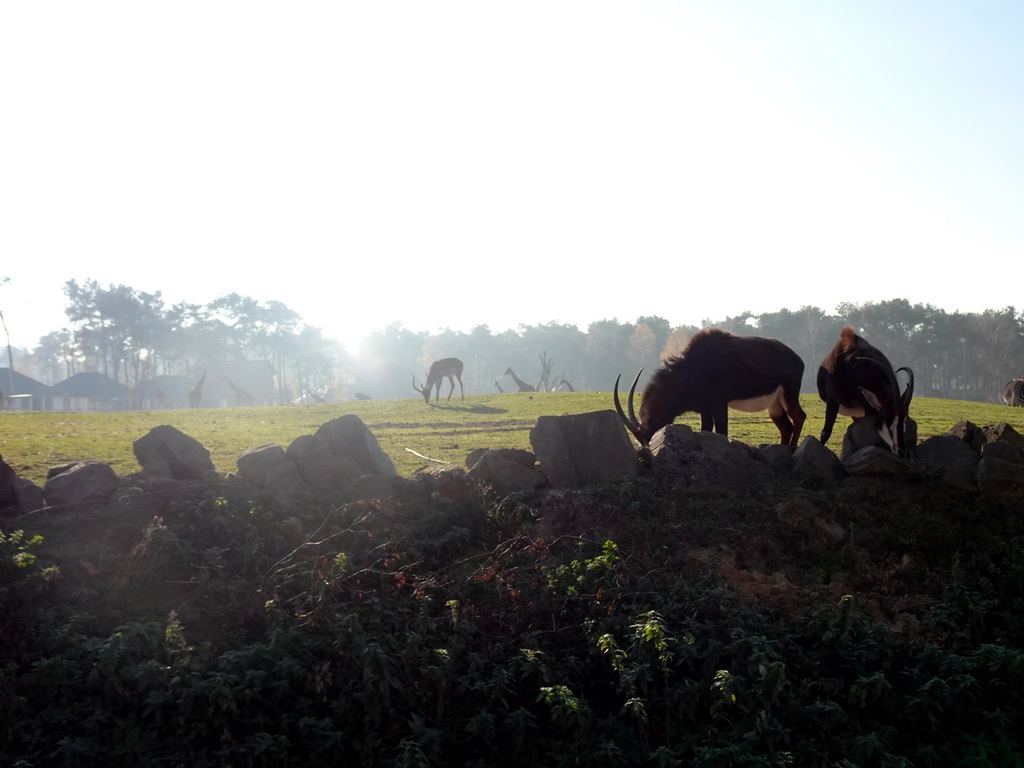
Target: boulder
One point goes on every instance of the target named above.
(447, 482)
(999, 479)
(168, 452)
(970, 433)
(504, 475)
(687, 460)
(776, 456)
(348, 437)
(318, 466)
(951, 459)
(518, 455)
(17, 496)
(8, 489)
(583, 449)
(1004, 433)
(1002, 449)
(875, 460)
(814, 461)
(268, 467)
(79, 484)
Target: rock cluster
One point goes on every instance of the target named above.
(342, 462)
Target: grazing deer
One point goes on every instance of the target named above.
(715, 372)
(449, 368)
(523, 386)
(857, 380)
(1013, 394)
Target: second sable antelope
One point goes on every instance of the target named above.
(715, 372)
(1013, 393)
(857, 380)
(449, 368)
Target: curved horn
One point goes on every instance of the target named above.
(632, 424)
(908, 393)
(414, 384)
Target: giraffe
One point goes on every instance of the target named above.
(523, 386)
(195, 395)
(502, 391)
(241, 396)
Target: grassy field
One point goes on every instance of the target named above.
(33, 442)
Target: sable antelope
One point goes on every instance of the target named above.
(449, 368)
(1013, 394)
(857, 380)
(715, 372)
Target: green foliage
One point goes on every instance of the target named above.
(239, 632)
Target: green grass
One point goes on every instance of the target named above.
(33, 442)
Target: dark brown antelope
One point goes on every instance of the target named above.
(1013, 393)
(449, 368)
(857, 380)
(715, 372)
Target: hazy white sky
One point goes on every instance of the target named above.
(451, 164)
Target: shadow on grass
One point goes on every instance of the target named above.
(469, 408)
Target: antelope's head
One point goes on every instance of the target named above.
(650, 420)
(891, 409)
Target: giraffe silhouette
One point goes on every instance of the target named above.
(241, 396)
(523, 386)
(195, 395)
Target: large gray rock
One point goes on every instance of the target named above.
(970, 433)
(951, 459)
(348, 437)
(875, 460)
(583, 449)
(518, 455)
(335, 459)
(505, 475)
(166, 451)
(17, 496)
(778, 457)
(268, 466)
(318, 466)
(1004, 433)
(79, 484)
(687, 460)
(1002, 449)
(814, 461)
(999, 479)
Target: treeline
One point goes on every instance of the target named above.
(132, 336)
